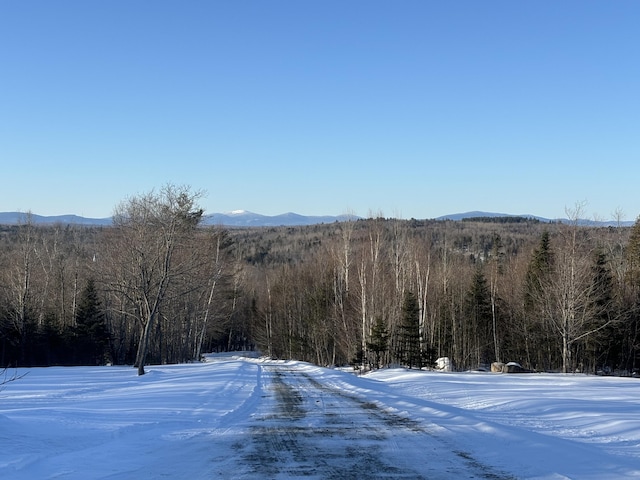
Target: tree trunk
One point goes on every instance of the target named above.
(143, 346)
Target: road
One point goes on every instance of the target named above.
(302, 427)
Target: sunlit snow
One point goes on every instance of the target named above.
(235, 417)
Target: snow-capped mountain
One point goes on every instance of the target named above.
(244, 218)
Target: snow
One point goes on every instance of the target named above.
(238, 417)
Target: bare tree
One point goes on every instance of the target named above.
(423, 262)
(5, 377)
(497, 268)
(368, 274)
(213, 270)
(570, 294)
(149, 230)
(20, 282)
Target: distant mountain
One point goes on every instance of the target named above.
(237, 218)
(243, 218)
(12, 218)
(582, 222)
(476, 214)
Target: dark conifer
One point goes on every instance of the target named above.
(478, 306)
(92, 337)
(539, 270)
(409, 351)
(379, 341)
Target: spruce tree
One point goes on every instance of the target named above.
(408, 350)
(92, 337)
(602, 305)
(478, 306)
(379, 341)
(539, 270)
(537, 288)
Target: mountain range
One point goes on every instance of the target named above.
(236, 218)
(243, 218)
(12, 218)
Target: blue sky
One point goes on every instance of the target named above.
(408, 109)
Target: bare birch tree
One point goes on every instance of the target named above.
(570, 295)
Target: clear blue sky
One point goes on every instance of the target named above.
(409, 109)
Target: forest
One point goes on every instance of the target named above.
(159, 287)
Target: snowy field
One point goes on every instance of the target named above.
(242, 418)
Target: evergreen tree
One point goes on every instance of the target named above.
(478, 306)
(601, 299)
(537, 284)
(539, 270)
(409, 351)
(379, 341)
(91, 333)
(632, 324)
(633, 255)
(602, 290)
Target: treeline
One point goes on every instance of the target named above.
(156, 287)
(504, 219)
(383, 291)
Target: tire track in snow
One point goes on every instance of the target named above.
(305, 429)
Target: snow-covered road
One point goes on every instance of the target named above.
(305, 427)
(242, 418)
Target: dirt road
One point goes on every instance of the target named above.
(303, 428)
